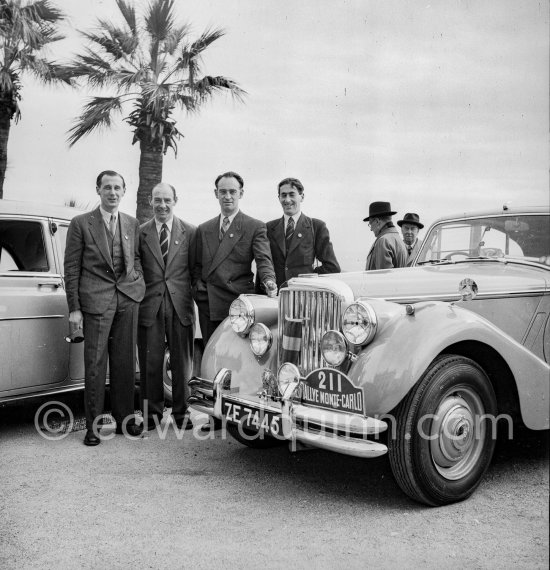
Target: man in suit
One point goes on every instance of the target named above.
(410, 225)
(167, 249)
(226, 247)
(297, 241)
(388, 250)
(104, 285)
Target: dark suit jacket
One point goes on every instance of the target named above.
(224, 270)
(311, 241)
(90, 281)
(387, 251)
(174, 278)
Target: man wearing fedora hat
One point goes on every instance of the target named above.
(410, 224)
(387, 251)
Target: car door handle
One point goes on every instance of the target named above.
(53, 284)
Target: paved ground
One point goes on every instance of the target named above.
(182, 502)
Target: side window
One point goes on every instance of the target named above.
(22, 246)
(61, 239)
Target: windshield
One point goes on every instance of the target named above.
(509, 236)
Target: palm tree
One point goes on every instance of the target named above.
(25, 29)
(154, 68)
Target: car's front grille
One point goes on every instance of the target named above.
(309, 315)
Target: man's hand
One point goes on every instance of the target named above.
(270, 288)
(75, 320)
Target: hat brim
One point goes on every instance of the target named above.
(379, 215)
(418, 224)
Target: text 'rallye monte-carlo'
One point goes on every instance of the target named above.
(422, 363)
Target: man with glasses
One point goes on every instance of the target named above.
(387, 251)
(226, 247)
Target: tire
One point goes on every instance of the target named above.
(252, 438)
(167, 370)
(453, 403)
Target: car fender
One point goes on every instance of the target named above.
(405, 345)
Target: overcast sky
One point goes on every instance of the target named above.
(436, 107)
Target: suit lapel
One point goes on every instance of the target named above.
(97, 230)
(230, 239)
(126, 237)
(176, 239)
(302, 227)
(279, 235)
(152, 240)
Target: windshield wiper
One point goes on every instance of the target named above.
(434, 261)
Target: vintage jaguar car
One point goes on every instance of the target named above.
(409, 362)
(35, 360)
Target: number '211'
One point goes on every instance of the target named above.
(322, 384)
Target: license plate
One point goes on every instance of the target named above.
(255, 419)
(330, 389)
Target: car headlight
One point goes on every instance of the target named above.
(241, 315)
(260, 338)
(288, 375)
(334, 348)
(359, 323)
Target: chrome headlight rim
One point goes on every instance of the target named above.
(249, 316)
(372, 325)
(268, 338)
(344, 353)
(292, 376)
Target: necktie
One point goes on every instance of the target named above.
(112, 225)
(164, 242)
(409, 249)
(289, 232)
(223, 229)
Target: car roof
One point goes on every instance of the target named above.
(38, 209)
(506, 210)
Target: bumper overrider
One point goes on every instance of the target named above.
(287, 417)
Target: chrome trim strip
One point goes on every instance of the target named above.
(448, 298)
(33, 317)
(357, 448)
(41, 394)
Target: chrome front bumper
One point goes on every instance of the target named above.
(316, 427)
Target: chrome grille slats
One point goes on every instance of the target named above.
(319, 312)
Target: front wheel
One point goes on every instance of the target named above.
(445, 432)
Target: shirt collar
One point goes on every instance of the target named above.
(231, 218)
(295, 217)
(168, 223)
(107, 215)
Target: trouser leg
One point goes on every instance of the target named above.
(122, 358)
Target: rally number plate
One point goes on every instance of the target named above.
(258, 420)
(330, 389)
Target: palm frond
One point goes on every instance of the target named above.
(206, 39)
(42, 10)
(174, 39)
(208, 86)
(115, 38)
(47, 71)
(96, 115)
(159, 19)
(129, 14)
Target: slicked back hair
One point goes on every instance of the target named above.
(294, 182)
(230, 174)
(108, 173)
(165, 184)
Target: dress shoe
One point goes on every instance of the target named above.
(151, 423)
(91, 438)
(214, 424)
(184, 423)
(131, 429)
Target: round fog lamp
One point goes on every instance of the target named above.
(333, 348)
(359, 323)
(260, 338)
(241, 315)
(288, 373)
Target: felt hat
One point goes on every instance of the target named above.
(377, 209)
(410, 218)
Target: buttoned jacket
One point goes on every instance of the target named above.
(224, 269)
(174, 277)
(310, 243)
(90, 281)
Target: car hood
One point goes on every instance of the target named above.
(441, 281)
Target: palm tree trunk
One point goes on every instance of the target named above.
(150, 173)
(5, 123)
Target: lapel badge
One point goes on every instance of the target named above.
(230, 235)
(176, 242)
(125, 237)
(299, 235)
